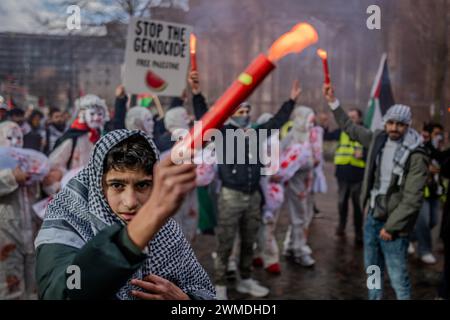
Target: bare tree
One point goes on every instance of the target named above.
(430, 19)
(98, 14)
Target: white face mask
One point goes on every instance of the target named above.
(14, 138)
(436, 142)
(186, 121)
(177, 118)
(302, 127)
(95, 118)
(148, 125)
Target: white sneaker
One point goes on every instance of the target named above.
(307, 249)
(305, 260)
(221, 292)
(411, 249)
(428, 259)
(252, 287)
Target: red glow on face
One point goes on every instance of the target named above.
(301, 36)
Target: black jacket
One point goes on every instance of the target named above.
(33, 140)
(440, 157)
(445, 227)
(443, 157)
(244, 177)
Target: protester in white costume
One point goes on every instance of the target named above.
(20, 172)
(177, 122)
(140, 118)
(320, 182)
(303, 141)
(267, 251)
(73, 149)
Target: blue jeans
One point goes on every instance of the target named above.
(393, 254)
(426, 220)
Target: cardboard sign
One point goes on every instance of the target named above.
(156, 57)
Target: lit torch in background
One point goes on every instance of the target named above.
(324, 56)
(193, 45)
(300, 37)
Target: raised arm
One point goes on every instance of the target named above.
(198, 100)
(120, 108)
(284, 113)
(356, 132)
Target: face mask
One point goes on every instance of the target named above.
(148, 125)
(189, 121)
(185, 122)
(302, 127)
(241, 121)
(14, 138)
(436, 141)
(95, 118)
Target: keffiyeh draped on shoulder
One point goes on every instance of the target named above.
(80, 211)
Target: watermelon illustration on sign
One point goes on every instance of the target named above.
(155, 82)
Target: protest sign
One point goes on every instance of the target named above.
(156, 57)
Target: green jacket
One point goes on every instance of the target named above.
(402, 202)
(105, 263)
(116, 259)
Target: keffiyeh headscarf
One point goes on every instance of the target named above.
(410, 141)
(399, 113)
(80, 211)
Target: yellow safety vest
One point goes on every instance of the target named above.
(426, 192)
(345, 151)
(286, 128)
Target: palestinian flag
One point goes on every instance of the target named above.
(144, 100)
(381, 97)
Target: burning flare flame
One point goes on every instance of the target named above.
(193, 42)
(322, 54)
(301, 36)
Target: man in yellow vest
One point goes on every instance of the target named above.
(349, 159)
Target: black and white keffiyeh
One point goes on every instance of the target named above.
(411, 140)
(80, 211)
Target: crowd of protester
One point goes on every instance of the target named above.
(101, 192)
